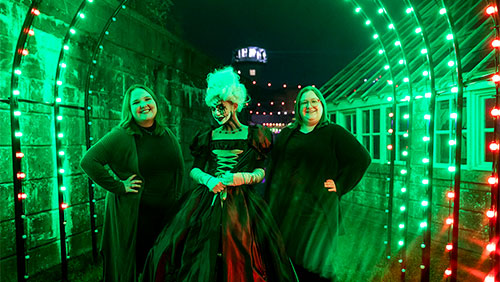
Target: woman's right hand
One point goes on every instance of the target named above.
(131, 184)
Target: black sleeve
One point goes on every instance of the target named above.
(352, 157)
(262, 140)
(96, 158)
(200, 149)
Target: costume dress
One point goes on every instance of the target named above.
(212, 239)
(133, 220)
(307, 213)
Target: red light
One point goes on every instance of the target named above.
(269, 84)
(491, 10)
(390, 131)
(24, 52)
(21, 196)
(264, 113)
(451, 195)
(391, 114)
(31, 32)
(35, 11)
(495, 78)
(256, 113)
(491, 247)
(447, 272)
(389, 147)
(449, 221)
(495, 112)
(284, 85)
(271, 113)
(354, 90)
(495, 43)
(490, 214)
(299, 86)
(489, 278)
(449, 247)
(492, 180)
(254, 82)
(21, 175)
(251, 111)
(494, 146)
(282, 103)
(64, 206)
(19, 155)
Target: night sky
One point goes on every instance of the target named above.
(307, 42)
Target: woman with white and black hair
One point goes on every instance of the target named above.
(225, 231)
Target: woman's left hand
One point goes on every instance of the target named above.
(228, 179)
(330, 185)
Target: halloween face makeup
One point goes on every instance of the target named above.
(222, 111)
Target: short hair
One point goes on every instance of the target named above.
(224, 84)
(324, 120)
(128, 122)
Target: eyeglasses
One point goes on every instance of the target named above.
(312, 102)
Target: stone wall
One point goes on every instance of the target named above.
(138, 49)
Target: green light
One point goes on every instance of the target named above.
(380, 51)
(405, 153)
(425, 73)
(82, 15)
(428, 95)
(403, 270)
(423, 224)
(442, 11)
(380, 11)
(63, 65)
(386, 67)
(401, 61)
(58, 100)
(427, 117)
(15, 92)
(449, 36)
(405, 135)
(453, 115)
(451, 169)
(409, 10)
(401, 242)
(403, 190)
(358, 10)
(402, 208)
(368, 22)
(61, 170)
(17, 113)
(91, 1)
(375, 36)
(425, 181)
(418, 30)
(423, 51)
(404, 171)
(397, 43)
(59, 117)
(61, 153)
(63, 188)
(454, 89)
(451, 63)
(406, 79)
(391, 26)
(59, 82)
(60, 135)
(401, 226)
(18, 134)
(422, 246)
(425, 160)
(390, 83)
(425, 203)
(426, 138)
(72, 30)
(406, 116)
(18, 72)
(452, 142)
(66, 47)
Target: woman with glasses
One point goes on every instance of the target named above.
(314, 162)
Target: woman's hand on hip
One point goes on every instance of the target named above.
(330, 185)
(131, 185)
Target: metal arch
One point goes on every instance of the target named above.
(21, 255)
(87, 109)
(458, 150)
(58, 144)
(393, 138)
(409, 124)
(426, 251)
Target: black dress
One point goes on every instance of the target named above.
(210, 239)
(307, 213)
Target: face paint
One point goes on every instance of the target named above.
(222, 111)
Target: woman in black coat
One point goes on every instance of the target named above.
(313, 164)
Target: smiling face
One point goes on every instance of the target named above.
(143, 107)
(311, 109)
(223, 110)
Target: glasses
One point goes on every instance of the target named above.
(312, 102)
